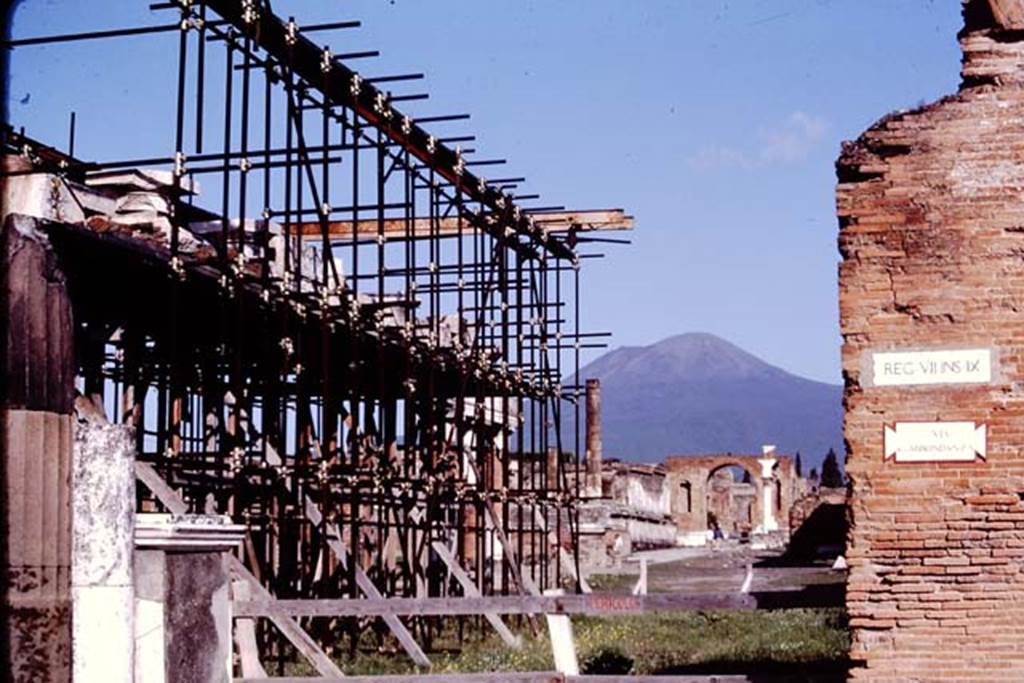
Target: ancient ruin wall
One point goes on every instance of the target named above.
(931, 209)
(689, 510)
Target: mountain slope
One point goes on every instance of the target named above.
(696, 392)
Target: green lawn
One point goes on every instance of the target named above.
(803, 641)
(668, 642)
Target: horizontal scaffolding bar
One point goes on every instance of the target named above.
(588, 603)
(583, 221)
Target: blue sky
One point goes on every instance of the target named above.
(715, 122)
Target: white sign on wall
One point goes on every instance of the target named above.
(934, 442)
(958, 366)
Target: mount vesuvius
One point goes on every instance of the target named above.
(697, 393)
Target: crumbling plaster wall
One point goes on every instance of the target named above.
(931, 210)
(641, 488)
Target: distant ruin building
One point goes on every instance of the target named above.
(931, 213)
(692, 500)
(740, 495)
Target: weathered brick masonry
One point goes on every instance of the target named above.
(931, 209)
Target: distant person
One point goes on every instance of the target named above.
(716, 536)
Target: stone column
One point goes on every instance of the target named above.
(37, 374)
(768, 521)
(552, 469)
(593, 455)
(182, 601)
(103, 522)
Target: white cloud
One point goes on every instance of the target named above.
(788, 142)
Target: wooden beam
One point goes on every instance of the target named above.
(506, 677)
(495, 677)
(472, 591)
(365, 583)
(245, 635)
(395, 228)
(298, 637)
(474, 603)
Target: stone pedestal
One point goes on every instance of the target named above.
(182, 598)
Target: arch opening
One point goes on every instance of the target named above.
(731, 501)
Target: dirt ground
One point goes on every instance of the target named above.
(707, 570)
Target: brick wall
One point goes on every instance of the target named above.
(931, 211)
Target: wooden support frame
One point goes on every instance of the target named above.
(396, 228)
(507, 677)
(474, 603)
(333, 538)
(245, 635)
(334, 542)
(472, 591)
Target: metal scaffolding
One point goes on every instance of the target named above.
(349, 340)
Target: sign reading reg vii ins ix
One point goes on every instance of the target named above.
(952, 366)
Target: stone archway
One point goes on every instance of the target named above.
(732, 496)
(758, 508)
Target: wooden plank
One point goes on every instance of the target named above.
(641, 583)
(669, 678)
(524, 583)
(475, 603)
(395, 228)
(288, 626)
(337, 546)
(160, 488)
(563, 644)
(490, 677)
(245, 636)
(829, 595)
(365, 584)
(511, 639)
(515, 677)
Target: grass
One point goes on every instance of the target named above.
(660, 643)
(613, 583)
(793, 641)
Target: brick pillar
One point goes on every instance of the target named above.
(551, 464)
(931, 211)
(37, 374)
(594, 446)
